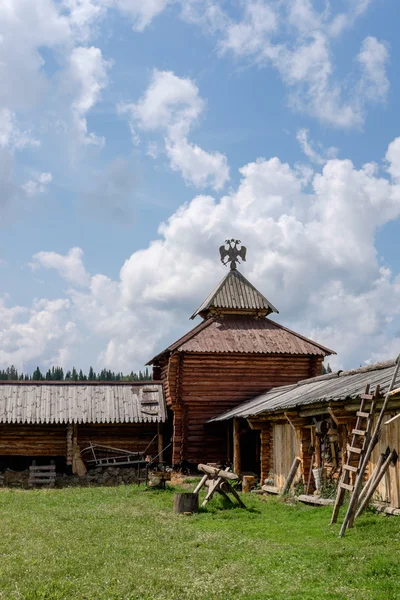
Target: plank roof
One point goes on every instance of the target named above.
(235, 292)
(333, 387)
(241, 334)
(62, 402)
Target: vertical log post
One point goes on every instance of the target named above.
(237, 467)
(160, 441)
(69, 444)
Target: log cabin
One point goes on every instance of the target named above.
(313, 420)
(46, 420)
(235, 352)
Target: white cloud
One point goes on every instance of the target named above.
(87, 76)
(319, 156)
(373, 57)
(30, 335)
(198, 167)
(296, 40)
(10, 134)
(142, 12)
(38, 184)
(311, 251)
(171, 105)
(69, 266)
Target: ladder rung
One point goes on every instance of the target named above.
(367, 396)
(346, 486)
(364, 415)
(350, 468)
(358, 432)
(353, 449)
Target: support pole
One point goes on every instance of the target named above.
(376, 482)
(351, 510)
(160, 440)
(237, 467)
(291, 476)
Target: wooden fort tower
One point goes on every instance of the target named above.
(235, 353)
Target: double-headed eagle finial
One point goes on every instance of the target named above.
(232, 253)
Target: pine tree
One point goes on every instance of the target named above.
(37, 375)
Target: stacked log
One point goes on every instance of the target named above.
(201, 386)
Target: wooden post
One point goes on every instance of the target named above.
(291, 476)
(237, 467)
(186, 502)
(160, 442)
(69, 443)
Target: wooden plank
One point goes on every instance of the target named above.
(353, 449)
(292, 474)
(351, 468)
(347, 487)
(358, 432)
(270, 489)
(315, 500)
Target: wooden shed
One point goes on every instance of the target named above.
(233, 354)
(314, 419)
(45, 419)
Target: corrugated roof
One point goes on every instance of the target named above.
(44, 402)
(326, 388)
(244, 334)
(235, 292)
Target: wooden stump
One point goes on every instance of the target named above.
(186, 503)
(248, 483)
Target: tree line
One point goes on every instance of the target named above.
(57, 374)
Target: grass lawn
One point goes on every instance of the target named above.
(125, 543)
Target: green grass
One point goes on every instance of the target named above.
(126, 543)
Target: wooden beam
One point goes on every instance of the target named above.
(160, 442)
(291, 476)
(237, 467)
(69, 443)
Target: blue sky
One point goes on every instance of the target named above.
(135, 137)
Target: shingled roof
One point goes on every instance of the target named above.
(62, 402)
(332, 387)
(235, 294)
(244, 335)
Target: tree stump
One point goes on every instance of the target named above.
(186, 503)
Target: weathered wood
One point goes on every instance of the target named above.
(248, 483)
(352, 508)
(200, 386)
(186, 502)
(218, 472)
(292, 474)
(315, 500)
(375, 483)
(270, 489)
(236, 445)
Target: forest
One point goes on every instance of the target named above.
(58, 374)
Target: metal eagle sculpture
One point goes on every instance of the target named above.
(232, 253)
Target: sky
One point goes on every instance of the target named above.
(135, 137)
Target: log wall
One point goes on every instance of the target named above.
(134, 437)
(51, 440)
(201, 386)
(33, 440)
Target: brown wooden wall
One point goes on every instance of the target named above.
(33, 440)
(51, 440)
(201, 386)
(134, 437)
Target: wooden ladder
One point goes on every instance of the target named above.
(362, 430)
